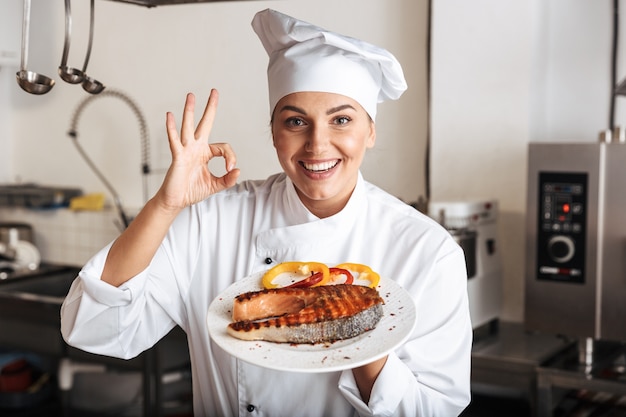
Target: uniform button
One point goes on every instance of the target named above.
(268, 260)
(250, 408)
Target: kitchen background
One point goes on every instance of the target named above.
(156, 56)
(502, 74)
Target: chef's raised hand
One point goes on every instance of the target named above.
(188, 179)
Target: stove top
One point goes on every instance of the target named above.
(8, 271)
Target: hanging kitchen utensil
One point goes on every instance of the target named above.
(69, 74)
(31, 82)
(91, 85)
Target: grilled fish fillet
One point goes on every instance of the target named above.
(306, 315)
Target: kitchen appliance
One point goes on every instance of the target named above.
(576, 240)
(21, 231)
(473, 224)
(17, 251)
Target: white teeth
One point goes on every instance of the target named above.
(324, 166)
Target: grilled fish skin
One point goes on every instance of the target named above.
(306, 315)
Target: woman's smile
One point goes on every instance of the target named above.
(317, 167)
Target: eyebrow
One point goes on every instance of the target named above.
(328, 112)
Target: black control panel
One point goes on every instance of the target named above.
(562, 226)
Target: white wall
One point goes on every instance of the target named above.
(506, 73)
(157, 55)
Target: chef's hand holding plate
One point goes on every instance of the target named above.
(188, 179)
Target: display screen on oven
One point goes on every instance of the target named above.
(562, 226)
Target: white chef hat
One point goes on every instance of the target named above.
(304, 57)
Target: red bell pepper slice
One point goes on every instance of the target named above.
(337, 273)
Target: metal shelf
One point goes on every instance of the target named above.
(565, 372)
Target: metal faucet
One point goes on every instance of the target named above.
(145, 145)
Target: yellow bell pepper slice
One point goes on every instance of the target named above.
(305, 270)
(364, 272)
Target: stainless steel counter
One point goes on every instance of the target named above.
(508, 358)
(605, 378)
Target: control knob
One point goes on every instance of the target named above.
(561, 248)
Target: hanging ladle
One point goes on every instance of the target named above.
(68, 74)
(31, 82)
(89, 84)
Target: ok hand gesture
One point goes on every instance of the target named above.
(188, 179)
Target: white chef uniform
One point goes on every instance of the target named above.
(229, 236)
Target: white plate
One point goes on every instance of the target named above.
(392, 330)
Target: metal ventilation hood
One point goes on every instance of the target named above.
(155, 3)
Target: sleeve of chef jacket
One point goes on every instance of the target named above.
(430, 375)
(124, 321)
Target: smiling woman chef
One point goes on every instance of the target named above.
(200, 233)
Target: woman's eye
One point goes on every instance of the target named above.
(294, 122)
(342, 120)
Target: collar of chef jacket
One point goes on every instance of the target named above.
(307, 227)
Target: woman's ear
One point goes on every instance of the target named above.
(272, 132)
(371, 140)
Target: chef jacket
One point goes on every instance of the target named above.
(237, 232)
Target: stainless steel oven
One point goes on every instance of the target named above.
(576, 240)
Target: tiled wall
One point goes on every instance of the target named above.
(65, 236)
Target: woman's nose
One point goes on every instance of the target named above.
(317, 141)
